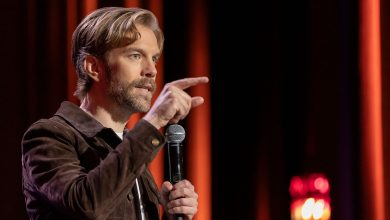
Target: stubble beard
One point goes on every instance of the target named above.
(126, 96)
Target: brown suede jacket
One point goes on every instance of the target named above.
(74, 168)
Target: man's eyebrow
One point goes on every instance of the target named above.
(138, 49)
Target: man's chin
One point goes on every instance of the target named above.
(142, 106)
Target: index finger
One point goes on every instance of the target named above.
(188, 82)
(184, 183)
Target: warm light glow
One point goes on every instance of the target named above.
(310, 197)
(297, 186)
(318, 209)
(310, 209)
(321, 184)
(307, 208)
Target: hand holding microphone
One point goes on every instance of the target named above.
(175, 135)
(179, 194)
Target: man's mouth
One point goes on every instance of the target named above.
(146, 87)
(146, 84)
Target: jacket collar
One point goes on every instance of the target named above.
(79, 119)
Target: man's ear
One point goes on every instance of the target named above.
(93, 68)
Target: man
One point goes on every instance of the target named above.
(80, 164)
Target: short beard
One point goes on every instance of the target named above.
(123, 94)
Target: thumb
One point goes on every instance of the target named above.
(196, 101)
(165, 190)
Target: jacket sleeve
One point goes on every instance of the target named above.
(52, 168)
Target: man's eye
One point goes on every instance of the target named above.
(155, 60)
(135, 56)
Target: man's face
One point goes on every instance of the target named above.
(132, 72)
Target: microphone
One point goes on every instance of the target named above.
(175, 135)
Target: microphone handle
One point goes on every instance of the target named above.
(175, 164)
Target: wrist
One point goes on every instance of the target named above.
(154, 120)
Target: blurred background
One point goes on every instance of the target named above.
(297, 88)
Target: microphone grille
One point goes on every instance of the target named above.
(175, 133)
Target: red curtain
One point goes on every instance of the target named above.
(385, 55)
(199, 139)
(371, 113)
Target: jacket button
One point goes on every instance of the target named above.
(155, 142)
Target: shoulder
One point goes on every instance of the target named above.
(54, 124)
(49, 131)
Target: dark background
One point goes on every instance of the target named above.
(285, 95)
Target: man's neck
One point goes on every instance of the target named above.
(108, 114)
